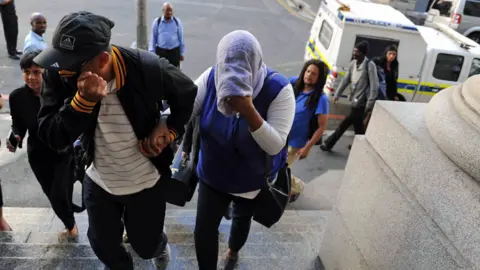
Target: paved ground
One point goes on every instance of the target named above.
(314, 4)
(282, 37)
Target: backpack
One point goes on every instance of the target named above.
(159, 20)
(382, 83)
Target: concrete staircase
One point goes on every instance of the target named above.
(293, 243)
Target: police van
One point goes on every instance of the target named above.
(430, 59)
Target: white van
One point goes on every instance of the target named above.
(450, 59)
(429, 59)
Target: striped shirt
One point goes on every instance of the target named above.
(119, 167)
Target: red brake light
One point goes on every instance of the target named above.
(456, 18)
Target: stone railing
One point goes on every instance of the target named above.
(410, 196)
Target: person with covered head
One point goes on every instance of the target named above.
(246, 112)
(34, 40)
(362, 78)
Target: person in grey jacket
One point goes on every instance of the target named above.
(363, 80)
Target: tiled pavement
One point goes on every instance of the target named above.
(291, 244)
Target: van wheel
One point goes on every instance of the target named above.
(475, 36)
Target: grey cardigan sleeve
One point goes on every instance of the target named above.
(373, 85)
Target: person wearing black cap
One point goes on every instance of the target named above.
(107, 93)
(362, 78)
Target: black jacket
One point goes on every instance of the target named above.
(24, 106)
(391, 76)
(60, 124)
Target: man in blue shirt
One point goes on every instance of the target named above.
(34, 40)
(167, 37)
(311, 111)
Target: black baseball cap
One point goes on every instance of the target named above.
(78, 38)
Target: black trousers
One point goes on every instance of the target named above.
(211, 207)
(355, 118)
(10, 26)
(142, 214)
(173, 55)
(56, 179)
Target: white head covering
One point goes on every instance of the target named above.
(239, 70)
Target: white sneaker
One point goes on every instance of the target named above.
(161, 262)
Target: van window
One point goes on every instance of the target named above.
(475, 68)
(376, 45)
(444, 7)
(325, 34)
(448, 67)
(472, 8)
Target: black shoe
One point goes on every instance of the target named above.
(325, 148)
(231, 259)
(19, 53)
(13, 56)
(349, 147)
(293, 197)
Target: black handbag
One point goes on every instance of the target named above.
(274, 196)
(183, 182)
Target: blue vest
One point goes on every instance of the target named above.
(230, 160)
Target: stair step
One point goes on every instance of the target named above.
(183, 264)
(293, 243)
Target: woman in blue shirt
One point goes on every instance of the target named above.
(311, 105)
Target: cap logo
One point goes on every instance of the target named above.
(55, 65)
(67, 42)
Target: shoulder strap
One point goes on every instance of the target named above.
(159, 20)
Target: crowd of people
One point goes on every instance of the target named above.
(245, 122)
